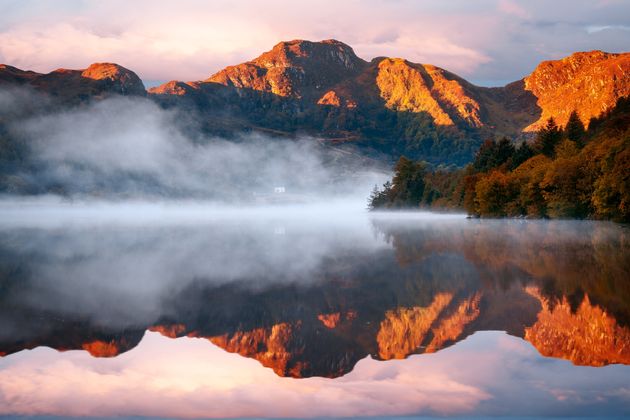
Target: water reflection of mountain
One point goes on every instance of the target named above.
(412, 287)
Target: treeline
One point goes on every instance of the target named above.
(565, 172)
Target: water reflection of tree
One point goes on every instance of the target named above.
(564, 258)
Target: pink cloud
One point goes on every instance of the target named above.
(488, 373)
(192, 378)
(512, 8)
(190, 43)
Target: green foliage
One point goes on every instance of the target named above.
(406, 189)
(555, 178)
(574, 129)
(493, 154)
(521, 154)
(408, 183)
(548, 137)
(565, 189)
(380, 199)
(443, 189)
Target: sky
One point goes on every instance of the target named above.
(486, 41)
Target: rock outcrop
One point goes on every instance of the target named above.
(294, 69)
(588, 82)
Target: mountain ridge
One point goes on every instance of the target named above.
(390, 106)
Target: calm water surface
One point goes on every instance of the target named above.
(173, 311)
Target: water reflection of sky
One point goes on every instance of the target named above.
(489, 373)
(116, 270)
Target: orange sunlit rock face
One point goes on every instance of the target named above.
(333, 98)
(329, 73)
(99, 80)
(294, 68)
(175, 87)
(403, 330)
(406, 86)
(588, 336)
(588, 82)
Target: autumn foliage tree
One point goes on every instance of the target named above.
(570, 173)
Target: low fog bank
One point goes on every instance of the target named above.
(51, 212)
(130, 148)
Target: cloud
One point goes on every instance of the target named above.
(192, 378)
(512, 8)
(598, 28)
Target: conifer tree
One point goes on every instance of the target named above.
(548, 137)
(574, 129)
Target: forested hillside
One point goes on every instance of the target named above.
(565, 172)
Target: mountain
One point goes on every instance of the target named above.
(299, 69)
(330, 73)
(99, 80)
(396, 106)
(386, 107)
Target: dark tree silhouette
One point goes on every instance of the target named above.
(548, 138)
(574, 129)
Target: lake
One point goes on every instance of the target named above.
(193, 310)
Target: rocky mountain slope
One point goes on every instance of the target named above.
(388, 105)
(72, 86)
(330, 73)
(299, 69)
(589, 82)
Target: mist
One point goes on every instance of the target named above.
(129, 148)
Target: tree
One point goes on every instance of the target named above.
(574, 129)
(548, 137)
(566, 189)
(493, 154)
(529, 175)
(408, 183)
(493, 194)
(374, 198)
(485, 156)
(380, 199)
(521, 154)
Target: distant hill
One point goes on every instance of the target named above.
(71, 86)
